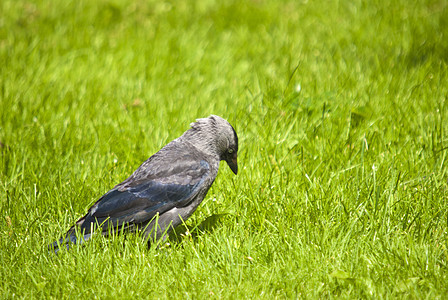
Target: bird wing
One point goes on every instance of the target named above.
(139, 200)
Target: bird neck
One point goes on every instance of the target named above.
(203, 141)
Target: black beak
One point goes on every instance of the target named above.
(233, 163)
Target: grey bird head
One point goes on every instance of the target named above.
(216, 137)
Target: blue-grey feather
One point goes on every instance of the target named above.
(141, 202)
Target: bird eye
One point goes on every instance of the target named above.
(230, 151)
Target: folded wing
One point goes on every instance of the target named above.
(138, 202)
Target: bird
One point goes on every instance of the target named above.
(165, 190)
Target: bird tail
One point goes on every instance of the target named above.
(68, 241)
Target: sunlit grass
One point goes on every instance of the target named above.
(341, 112)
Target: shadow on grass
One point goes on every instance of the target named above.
(176, 237)
(208, 225)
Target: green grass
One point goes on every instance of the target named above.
(341, 109)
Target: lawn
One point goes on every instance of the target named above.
(341, 110)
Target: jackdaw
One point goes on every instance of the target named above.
(166, 189)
